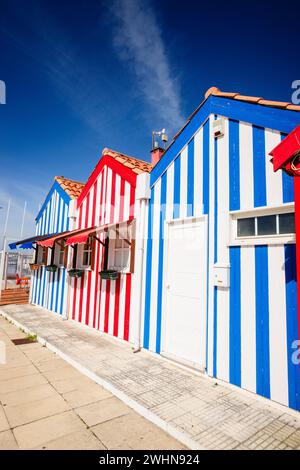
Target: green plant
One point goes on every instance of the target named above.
(32, 338)
(109, 274)
(75, 272)
(52, 268)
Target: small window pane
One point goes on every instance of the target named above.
(266, 225)
(287, 223)
(246, 227)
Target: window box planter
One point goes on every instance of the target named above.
(75, 272)
(52, 268)
(109, 275)
(34, 266)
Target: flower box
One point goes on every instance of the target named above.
(109, 275)
(75, 272)
(34, 266)
(52, 268)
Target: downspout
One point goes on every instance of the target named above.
(143, 196)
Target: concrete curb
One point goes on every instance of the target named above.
(164, 425)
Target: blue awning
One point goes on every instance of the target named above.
(28, 243)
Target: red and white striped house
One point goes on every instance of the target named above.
(108, 216)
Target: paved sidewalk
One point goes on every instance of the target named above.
(47, 404)
(199, 411)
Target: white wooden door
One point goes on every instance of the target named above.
(184, 335)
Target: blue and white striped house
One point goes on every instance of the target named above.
(49, 289)
(220, 283)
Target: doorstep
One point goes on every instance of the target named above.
(199, 411)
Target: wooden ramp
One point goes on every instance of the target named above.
(14, 296)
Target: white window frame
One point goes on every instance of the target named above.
(40, 256)
(57, 254)
(112, 250)
(276, 239)
(80, 255)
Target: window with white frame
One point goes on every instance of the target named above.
(42, 255)
(87, 253)
(263, 225)
(121, 249)
(61, 252)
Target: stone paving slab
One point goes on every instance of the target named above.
(200, 412)
(34, 414)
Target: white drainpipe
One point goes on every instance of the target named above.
(143, 196)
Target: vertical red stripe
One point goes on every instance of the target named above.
(79, 225)
(81, 297)
(122, 200)
(106, 313)
(127, 306)
(297, 226)
(99, 309)
(74, 299)
(101, 199)
(87, 209)
(117, 304)
(88, 287)
(105, 197)
(99, 258)
(132, 201)
(94, 222)
(113, 197)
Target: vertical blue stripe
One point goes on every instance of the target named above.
(148, 273)
(190, 178)
(215, 330)
(205, 194)
(163, 197)
(234, 166)
(235, 316)
(49, 216)
(58, 215)
(52, 290)
(63, 218)
(262, 322)
(292, 327)
(57, 290)
(62, 291)
(287, 184)
(259, 167)
(235, 260)
(176, 198)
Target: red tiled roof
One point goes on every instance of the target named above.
(134, 164)
(72, 188)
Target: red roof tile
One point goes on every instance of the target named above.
(72, 188)
(136, 165)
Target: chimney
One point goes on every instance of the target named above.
(156, 155)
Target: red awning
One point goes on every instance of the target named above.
(80, 236)
(49, 242)
(286, 149)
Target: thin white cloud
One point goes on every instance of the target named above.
(138, 40)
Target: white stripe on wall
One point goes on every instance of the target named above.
(277, 325)
(273, 180)
(246, 166)
(223, 254)
(248, 319)
(183, 182)
(198, 173)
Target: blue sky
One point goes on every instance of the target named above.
(81, 76)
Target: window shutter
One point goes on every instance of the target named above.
(45, 257)
(93, 253)
(132, 255)
(74, 262)
(65, 256)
